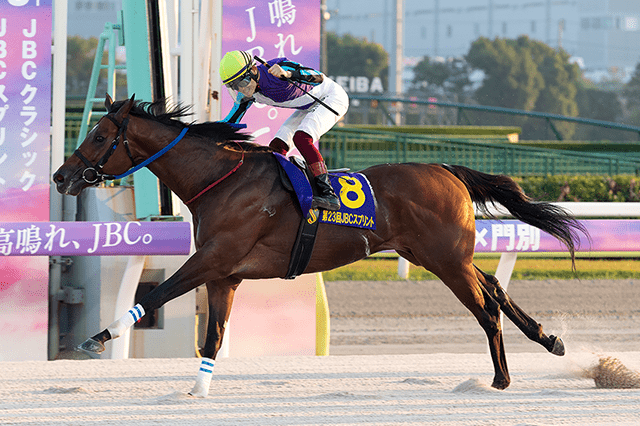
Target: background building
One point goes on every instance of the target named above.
(86, 18)
(603, 35)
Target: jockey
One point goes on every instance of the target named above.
(248, 83)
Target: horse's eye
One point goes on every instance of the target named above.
(99, 138)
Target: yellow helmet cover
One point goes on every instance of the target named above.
(234, 64)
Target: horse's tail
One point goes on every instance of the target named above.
(485, 188)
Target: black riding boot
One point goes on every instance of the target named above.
(326, 198)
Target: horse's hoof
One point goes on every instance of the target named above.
(198, 393)
(91, 347)
(558, 346)
(501, 384)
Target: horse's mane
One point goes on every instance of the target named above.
(215, 131)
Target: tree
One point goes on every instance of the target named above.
(511, 79)
(631, 95)
(561, 80)
(598, 104)
(528, 75)
(631, 90)
(351, 56)
(448, 77)
(80, 55)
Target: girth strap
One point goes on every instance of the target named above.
(306, 238)
(303, 247)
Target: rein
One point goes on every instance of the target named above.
(219, 180)
(96, 169)
(154, 157)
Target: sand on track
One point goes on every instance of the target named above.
(424, 389)
(403, 353)
(378, 317)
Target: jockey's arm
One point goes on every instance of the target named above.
(238, 110)
(299, 73)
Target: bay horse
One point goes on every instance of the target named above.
(245, 222)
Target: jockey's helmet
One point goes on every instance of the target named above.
(235, 66)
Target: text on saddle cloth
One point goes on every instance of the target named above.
(357, 203)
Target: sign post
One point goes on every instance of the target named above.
(25, 117)
(269, 30)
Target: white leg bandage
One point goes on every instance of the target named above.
(203, 380)
(126, 321)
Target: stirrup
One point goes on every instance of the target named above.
(331, 204)
(91, 347)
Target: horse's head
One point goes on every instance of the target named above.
(103, 153)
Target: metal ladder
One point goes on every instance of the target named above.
(108, 35)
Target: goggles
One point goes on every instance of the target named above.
(241, 82)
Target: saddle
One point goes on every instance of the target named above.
(357, 206)
(297, 178)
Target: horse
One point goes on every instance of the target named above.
(245, 222)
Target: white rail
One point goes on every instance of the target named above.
(580, 210)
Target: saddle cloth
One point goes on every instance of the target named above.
(357, 201)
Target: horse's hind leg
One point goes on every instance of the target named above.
(524, 322)
(220, 299)
(464, 284)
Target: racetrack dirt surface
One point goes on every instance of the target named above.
(386, 317)
(402, 353)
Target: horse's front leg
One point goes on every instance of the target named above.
(220, 297)
(188, 277)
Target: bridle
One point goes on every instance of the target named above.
(93, 173)
(99, 176)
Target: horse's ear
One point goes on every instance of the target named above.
(123, 112)
(108, 102)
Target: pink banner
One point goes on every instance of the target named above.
(274, 317)
(25, 118)
(94, 238)
(514, 236)
(270, 29)
(267, 308)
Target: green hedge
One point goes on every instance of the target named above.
(619, 188)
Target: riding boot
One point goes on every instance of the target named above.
(326, 198)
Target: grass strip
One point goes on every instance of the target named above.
(386, 269)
